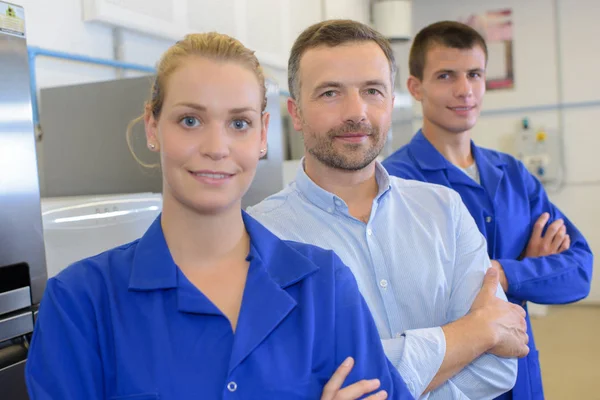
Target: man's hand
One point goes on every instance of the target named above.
(504, 321)
(556, 240)
(332, 391)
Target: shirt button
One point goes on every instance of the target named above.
(488, 219)
(232, 386)
(383, 283)
(369, 232)
(330, 210)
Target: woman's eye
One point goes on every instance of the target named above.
(240, 124)
(190, 122)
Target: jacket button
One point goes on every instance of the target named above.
(488, 219)
(232, 386)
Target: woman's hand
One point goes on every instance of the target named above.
(332, 391)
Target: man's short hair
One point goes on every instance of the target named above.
(334, 33)
(445, 33)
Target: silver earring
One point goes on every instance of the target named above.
(152, 147)
(263, 150)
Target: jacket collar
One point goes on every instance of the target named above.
(153, 266)
(274, 265)
(428, 158)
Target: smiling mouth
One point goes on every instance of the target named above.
(211, 175)
(350, 135)
(462, 108)
(353, 138)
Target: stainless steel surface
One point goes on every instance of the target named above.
(84, 152)
(269, 176)
(14, 300)
(402, 130)
(12, 353)
(21, 238)
(17, 325)
(12, 382)
(22, 256)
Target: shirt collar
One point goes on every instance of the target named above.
(326, 200)
(153, 266)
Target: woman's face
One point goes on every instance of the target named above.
(210, 133)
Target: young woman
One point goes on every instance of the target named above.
(208, 304)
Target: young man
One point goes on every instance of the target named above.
(540, 254)
(415, 251)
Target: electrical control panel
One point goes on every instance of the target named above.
(539, 148)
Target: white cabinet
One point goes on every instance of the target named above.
(304, 14)
(211, 15)
(266, 29)
(358, 10)
(162, 18)
(267, 26)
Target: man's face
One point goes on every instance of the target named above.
(345, 105)
(451, 91)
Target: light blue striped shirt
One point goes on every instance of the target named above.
(419, 263)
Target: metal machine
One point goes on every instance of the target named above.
(22, 261)
(78, 227)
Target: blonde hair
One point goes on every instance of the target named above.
(212, 45)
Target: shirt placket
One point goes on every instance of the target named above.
(385, 286)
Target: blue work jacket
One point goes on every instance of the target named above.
(128, 325)
(505, 207)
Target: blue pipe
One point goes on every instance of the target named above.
(34, 52)
(33, 83)
(541, 108)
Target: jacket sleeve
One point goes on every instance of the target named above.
(357, 336)
(63, 360)
(556, 279)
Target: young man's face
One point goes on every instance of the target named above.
(452, 88)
